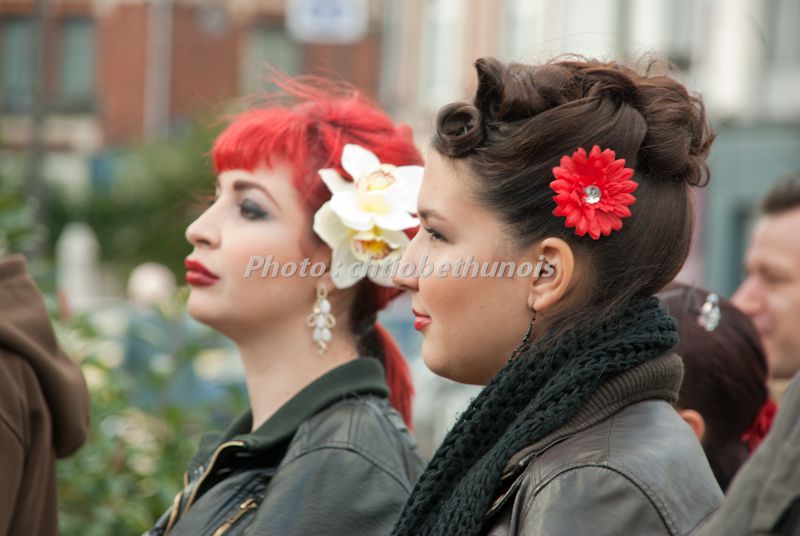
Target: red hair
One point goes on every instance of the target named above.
(309, 133)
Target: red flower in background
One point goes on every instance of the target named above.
(761, 426)
(593, 192)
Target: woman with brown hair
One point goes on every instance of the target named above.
(587, 167)
(724, 396)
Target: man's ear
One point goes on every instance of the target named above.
(549, 284)
(695, 421)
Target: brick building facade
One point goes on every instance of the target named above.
(120, 72)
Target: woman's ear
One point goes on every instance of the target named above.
(555, 269)
(695, 421)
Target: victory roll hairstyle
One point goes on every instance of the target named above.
(524, 118)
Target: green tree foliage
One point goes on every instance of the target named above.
(141, 212)
(131, 467)
(17, 227)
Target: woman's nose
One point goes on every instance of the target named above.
(404, 277)
(203, 232)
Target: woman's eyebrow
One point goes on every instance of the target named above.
(429, 213)
(241, 184)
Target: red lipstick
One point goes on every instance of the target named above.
(421, 321)
(198, 275)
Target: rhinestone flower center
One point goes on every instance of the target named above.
(592, 194)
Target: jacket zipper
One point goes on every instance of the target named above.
(174, 514)
(208, 470)
(245, 507)
(176, 504)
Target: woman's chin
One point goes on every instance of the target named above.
(454, 368)
(202, 311)
(435, 361)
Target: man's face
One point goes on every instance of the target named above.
(770, 294)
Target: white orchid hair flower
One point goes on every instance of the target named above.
(364, 220)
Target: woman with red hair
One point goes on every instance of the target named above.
(307, 194)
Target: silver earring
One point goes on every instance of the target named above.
(321, 320)
(518, 350)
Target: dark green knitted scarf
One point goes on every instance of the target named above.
(532, 396)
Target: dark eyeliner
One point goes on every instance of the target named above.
(436, 236)
(251, 210)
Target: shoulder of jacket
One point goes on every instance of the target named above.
(646, 444)
(354, 429)
(639, 439)
(367, 425)
(343, 421)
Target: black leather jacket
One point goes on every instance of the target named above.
(336, 459)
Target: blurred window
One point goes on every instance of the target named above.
(16, 64)
(76, 67)
(267, 45)
(783, 36)
(520, 24)
(683, 16)
(443, 32)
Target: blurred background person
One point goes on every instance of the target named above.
(44, 406)
(770, 294)
(764, 498)
(724, 395)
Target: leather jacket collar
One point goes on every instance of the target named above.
(360, 376)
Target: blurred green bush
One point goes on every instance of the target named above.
(142, 202)
(144, 429)
(131, 467)
(17, 227)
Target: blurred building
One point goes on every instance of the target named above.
(742, 55)
(115, 73)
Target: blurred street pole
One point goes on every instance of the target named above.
(34, 185)
(159, 66)
(623, 36)
(387, 83)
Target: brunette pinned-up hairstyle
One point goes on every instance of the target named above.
(725, 377)
(306, 124)
(524, 118)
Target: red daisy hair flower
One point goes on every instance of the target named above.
(593, 192)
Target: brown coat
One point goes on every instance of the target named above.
(44, 406)
(625, 465)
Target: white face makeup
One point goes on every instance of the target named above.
(256, 213)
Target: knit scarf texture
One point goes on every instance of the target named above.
(529, 398)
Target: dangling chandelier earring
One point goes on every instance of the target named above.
(518, 350)
(321, 320)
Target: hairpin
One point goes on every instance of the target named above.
(709, 315)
